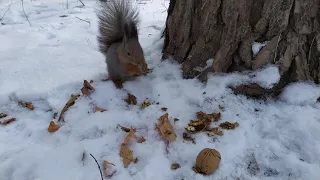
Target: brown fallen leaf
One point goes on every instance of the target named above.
(2, 115)
(215, 131)
(28, 105)
(99, 109)
(175, 166)
(125, 129)
(130, 135)
(145, 104)
(127, 156)
(165, 128)
(8, 121)
(105, 168)
(228, 125)
(141, 140)
(164, 109)
(213, 116)
(131, 99)
(53, 127)
(203, 122)
(188, 138)
(87, 89)
(70, 103)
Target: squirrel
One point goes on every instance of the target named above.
(118, 41)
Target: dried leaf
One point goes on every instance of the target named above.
(203, 122)
(8, 121)
(214, 116)
(70, 103)
(2, 115)
(164, 109)
(99, 109)
(127, 156)
(130, 135)
(28, 105)
(125, 129)
(145, 104)
(175, 166)
(188, 138)
(131, 99)
(228, 125)
(87, 89)
(216, 131)
(166, 129)
(141, 140)
(105, 167)
(53, 127)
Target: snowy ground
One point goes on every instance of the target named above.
(47, 62)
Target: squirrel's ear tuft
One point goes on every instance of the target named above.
(130, 30)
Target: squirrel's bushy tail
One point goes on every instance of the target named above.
(114, 16)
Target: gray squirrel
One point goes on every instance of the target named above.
(118, 40)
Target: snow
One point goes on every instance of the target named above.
(256, 46)
(47, 62)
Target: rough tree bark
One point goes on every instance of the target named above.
(197, 30)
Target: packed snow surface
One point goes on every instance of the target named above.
(47, 62)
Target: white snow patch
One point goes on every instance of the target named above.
(301, 93)
(256, 47)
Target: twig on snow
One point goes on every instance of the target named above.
(98, 165)
(25, 12)
(6, 11)
(84, 20)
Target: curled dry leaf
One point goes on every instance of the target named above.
(145, 104)
(70, 103)
(175, 166)
(87, 89)
(141, 140)
(2, 115)
(8, 121)
(127, 155)
(164, 109)
(166, 129)
(229, 125)
(53, 127)
(188, 138)
(131, 99)
(99, 109)
(28, 105)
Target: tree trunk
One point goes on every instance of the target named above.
(197, 30)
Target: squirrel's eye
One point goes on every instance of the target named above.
(128, 53)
